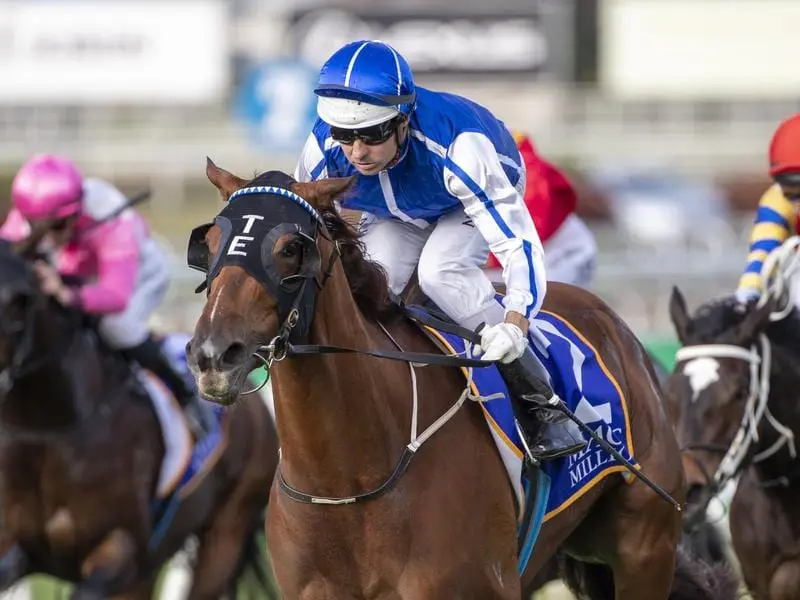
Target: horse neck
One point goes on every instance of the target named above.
(341, 432)
(61, 391)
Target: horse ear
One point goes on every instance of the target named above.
(321, 194)
(754, 322)
(225, 182)
(679, 315)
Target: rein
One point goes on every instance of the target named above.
(416, 440)
(295, 294)
(280, 348)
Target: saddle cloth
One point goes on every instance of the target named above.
(185, 463)
(580, 378)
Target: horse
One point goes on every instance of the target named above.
(735, 393)
(82, 460)
(353, 513)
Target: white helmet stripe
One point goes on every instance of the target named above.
(352, 114)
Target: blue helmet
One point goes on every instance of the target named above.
(369, 73)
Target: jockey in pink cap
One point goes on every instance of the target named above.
(94, 239)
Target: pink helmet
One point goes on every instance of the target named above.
(47, 187)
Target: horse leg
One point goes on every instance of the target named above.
(220, 551)
(785, 581)
(635, 533)
(114, 560)
(638, 534)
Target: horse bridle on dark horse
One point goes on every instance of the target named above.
(739, 454)
(296, 301)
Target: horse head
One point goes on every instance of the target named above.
(725, 420)
(270, 252)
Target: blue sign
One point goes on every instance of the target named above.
(277, 102)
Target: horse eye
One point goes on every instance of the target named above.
(291, 250)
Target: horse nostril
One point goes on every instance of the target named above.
(204, 362)
(235, 355)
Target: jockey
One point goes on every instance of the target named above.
(124, 269)
(778, 214)
(441, 182)
(570, 251)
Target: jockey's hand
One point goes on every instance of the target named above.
(51, 284)
(745, 298)
(504, 342)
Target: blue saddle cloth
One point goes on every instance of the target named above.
(580, 378)
(202, 456)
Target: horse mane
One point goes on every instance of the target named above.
(367, 279)
(713, 319)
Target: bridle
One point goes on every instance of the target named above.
(776, 274)
(759, 359)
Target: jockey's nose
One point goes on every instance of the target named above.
(360, 150)
(210, 356)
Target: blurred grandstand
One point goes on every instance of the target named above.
(604, 87)
(660, 109)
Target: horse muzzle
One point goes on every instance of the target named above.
(220, 369)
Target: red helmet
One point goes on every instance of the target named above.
(784, 149)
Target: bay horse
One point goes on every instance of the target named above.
(736, 392)
(346, 520)
(80, 454)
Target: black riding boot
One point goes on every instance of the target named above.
(150, 356)
(548, 432)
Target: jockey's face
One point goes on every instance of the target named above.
(791, 192)
(371, 159)
(61, 232)
(790, 185)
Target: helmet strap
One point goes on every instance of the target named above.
(400, 145)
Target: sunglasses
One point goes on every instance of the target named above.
(371, 136)
(59, 226)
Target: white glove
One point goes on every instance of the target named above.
(504, 342)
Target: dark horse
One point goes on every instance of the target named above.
(80, 455)
(736, 389)
(445, 527)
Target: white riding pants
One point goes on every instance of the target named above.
(449, 256)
